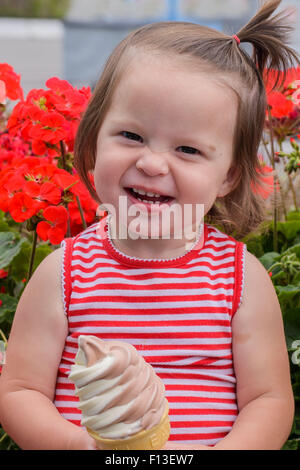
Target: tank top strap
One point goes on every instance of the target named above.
(66, 272)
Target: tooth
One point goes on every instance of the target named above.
(151, 194)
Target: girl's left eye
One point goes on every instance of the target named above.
(189, 150)
(132, 136)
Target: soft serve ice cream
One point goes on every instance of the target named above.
(120, 394)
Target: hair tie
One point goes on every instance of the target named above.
(236, 38)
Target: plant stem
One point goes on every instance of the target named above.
(293, 192)
(81, 212)
(282, 195)
(32, 255)
(63, 155)
(275, 233)
(69, 226)
(3, 337)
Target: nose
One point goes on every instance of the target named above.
(153, 162)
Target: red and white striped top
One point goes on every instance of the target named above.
(177, 313)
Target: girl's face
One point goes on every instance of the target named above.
(169, 131)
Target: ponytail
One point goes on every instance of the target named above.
(269, 35)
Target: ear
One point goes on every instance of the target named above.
(231, 182)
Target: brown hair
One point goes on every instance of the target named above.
(240, 211)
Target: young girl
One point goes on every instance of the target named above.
(176, 120)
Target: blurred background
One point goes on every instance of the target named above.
(71, 39)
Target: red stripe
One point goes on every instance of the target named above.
(158, 298)
(80, 260)
(67, 284)
(221, 400)
(153, 287)
(104, 323)
(166, 335)
(203, 411)
(190, 437)
(158, 274)
(238, 277)
(162, 311)
(194, 424)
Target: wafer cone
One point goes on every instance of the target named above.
(150, 439)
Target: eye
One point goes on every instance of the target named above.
(189, 150)
(132, 136)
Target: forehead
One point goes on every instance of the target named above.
(175, 88)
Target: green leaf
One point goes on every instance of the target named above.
(293, 215)
(288, 296)
(293, 249)
(291, 318)
(9, 248)
(7, 308)
(291, 444)
(19, 268)
(268, 259)
(289, 229)
(296, 390)
(4, 227)
(254, 245)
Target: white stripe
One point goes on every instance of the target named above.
(135, 272)
(90, 263)
(101, 255)
(202, 430)
(153, 293)
(173, 352)
(205, 405)
(188, 382)
(160, 317)
(150, 305)
(156, 329)
(66, 392)
(160, 341)
(141, 282)
(207, 442)
(217, 234)
(91, 252)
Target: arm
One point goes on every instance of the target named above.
(264, 392)
(28, 380)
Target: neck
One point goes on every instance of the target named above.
(153, 248)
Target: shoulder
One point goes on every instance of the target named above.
(257, 278)
(50, 268)
(259, 302)
(43, 293)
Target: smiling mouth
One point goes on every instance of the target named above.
(148, 199)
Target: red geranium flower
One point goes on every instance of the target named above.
(265, 185)
(55, 226)
(3, 273)
(281, 106)
(22, 207)
(13, 88)
(45, 192)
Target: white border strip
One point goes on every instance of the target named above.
(23, 28)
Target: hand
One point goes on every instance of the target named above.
(82, 441)
(172, 446)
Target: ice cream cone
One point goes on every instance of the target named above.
(150, 439)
